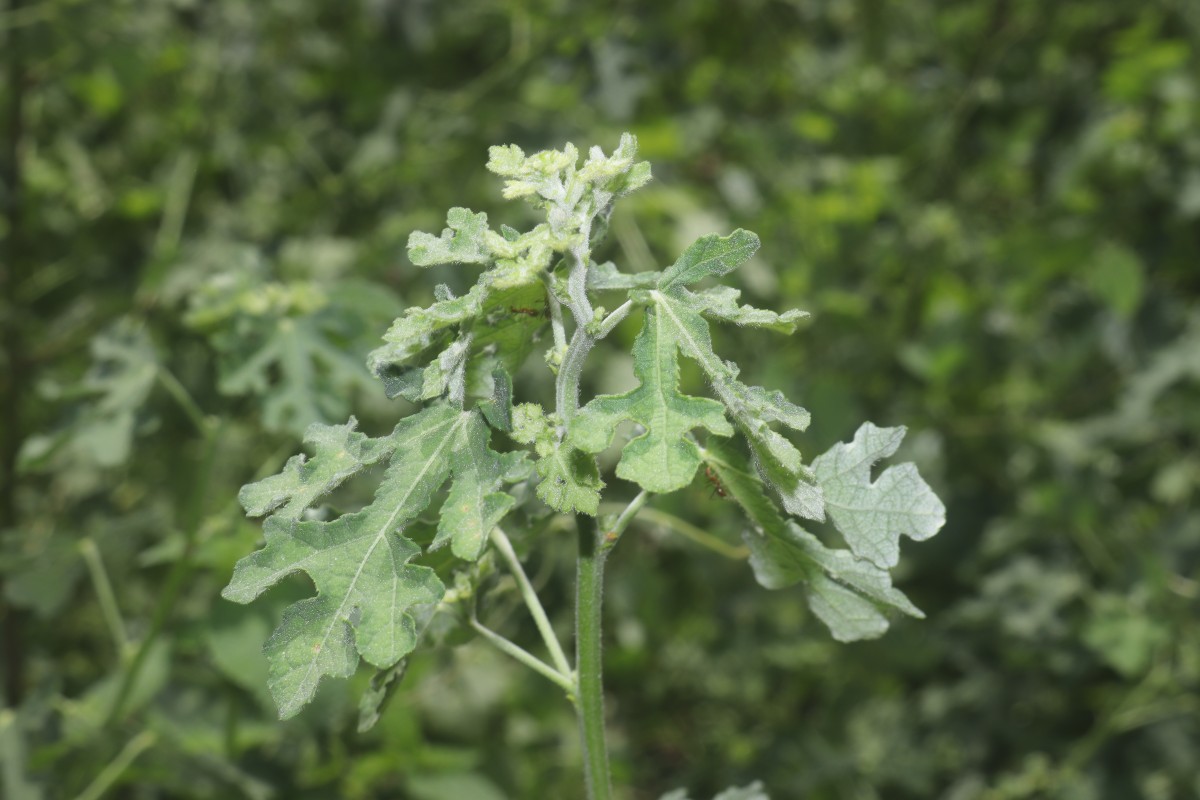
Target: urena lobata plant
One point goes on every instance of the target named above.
(381, 572)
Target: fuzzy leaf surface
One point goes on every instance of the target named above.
(340, 452)
(463, 241)
(359, 562)
(872, 515)
(663, 458)
(752, 408)
(570, 479)
(846, 593)
(474, 505)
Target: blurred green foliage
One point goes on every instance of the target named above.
(991, 208)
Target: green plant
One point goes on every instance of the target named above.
(454, 362)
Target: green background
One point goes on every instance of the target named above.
(991, 208)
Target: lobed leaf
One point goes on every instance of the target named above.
(359, 562)
(873, 515)
(720, 302)
(662, 458)
(752, 408)
(848, 594)
(474, 506)
(710, 255)
(340, 453)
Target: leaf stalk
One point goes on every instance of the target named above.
(529, 595)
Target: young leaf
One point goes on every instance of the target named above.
(462, 242)
(570, 480)
(872, 516)
(663, 458)
(720, 302)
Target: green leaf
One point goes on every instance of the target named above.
(606, 276)
(485, 307)
(122, 374)
(473, 506)
(379, 691)
(463, 241)
(663, 458)
(873, 515)
(845, 592)
(340, 453)
(302, 376)
(710, 255)
(751, 408)
(498, 408)
(447, 374)
(366, 589)
(570, 479)
(720, 302)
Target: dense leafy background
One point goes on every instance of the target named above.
(991, 208)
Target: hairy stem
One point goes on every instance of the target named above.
(566, 389)
(613, 534)
(500, 540)
(614, 319)
(524, 656)
(589, 603)
(556, 317)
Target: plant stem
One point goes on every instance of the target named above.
(701, 537)
(111, 773)
(589, 599)
(613, 534)
(176, 579)
(569, 372)
(524, 656)
(104, 592)
(614, 319)
(500, 540)
(556, 318)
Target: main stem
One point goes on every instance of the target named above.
(589, 600)
(589, 579)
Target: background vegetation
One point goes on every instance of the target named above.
(991, 208)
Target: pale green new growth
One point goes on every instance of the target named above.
(570, 480)
(455, 359)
